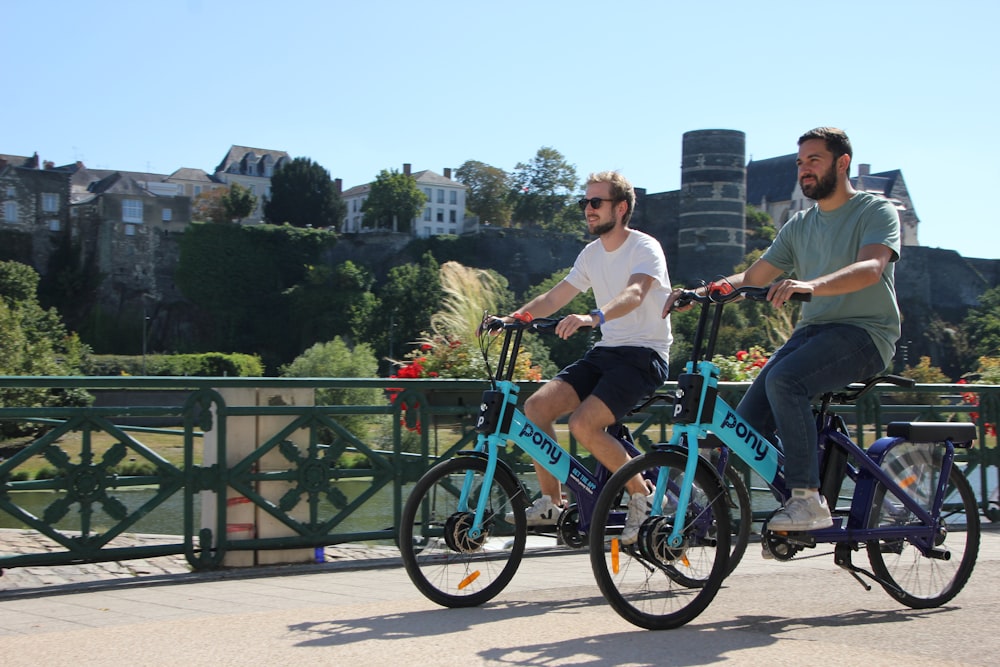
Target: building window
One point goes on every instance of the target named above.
(54, 225)
(129, 230)
(427, 191)
(168, 215)
(10, 211)
(427, 213)
(11, 191)
(440, 196)
(197, 190)
(452, 216)
(440, 215)
(50, 202)
(440, 230)
(132, 210)
(427, 230)
(453, 198)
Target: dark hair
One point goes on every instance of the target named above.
(835, 138)
(621, 190)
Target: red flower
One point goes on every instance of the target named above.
(742, 355)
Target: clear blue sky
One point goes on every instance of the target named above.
(363, 86)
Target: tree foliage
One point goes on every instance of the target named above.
(982, 325)
(238, 202)
(208, 206)
(489, 192)
(393, 202)
(542, 188)
(337, 359)
(33, 341)
(239, 276)
(407, 299)
(304, 195)
(331, 302)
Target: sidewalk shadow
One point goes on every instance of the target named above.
(693, 644)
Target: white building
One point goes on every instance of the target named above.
(443, 213)
(252, 168)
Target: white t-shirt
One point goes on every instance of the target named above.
(607, 273)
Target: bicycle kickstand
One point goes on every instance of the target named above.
(842, 558)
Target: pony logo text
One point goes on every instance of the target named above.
(746, 434)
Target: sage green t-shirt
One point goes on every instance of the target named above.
(814, 243)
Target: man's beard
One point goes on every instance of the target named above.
(824, 185)
(604, 227)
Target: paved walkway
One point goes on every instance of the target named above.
(353, 556)
(768, 613)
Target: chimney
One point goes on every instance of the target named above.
(406, 168)
(48, 165)
(338, 185)
(864, 169)
(447, 173)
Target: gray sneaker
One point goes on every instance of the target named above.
(802, 513)
(638, 510)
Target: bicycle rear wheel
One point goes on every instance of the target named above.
(446, 563)
(916, 580)
(651, 584)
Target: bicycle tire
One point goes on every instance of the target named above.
(740, 517)
(650, 584)
(448, 566)
(918, 581)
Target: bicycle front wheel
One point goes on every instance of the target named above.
(443, 556)
(650, 583)
(916, 580)
(740, 516)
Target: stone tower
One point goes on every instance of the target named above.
(712, 227)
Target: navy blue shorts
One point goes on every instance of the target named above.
(619, 376)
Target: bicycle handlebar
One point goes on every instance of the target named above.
(533, 325)
(727, 294)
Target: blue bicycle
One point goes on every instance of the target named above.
(911, 508)
(462, 530)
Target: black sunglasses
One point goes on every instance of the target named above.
(595, 202)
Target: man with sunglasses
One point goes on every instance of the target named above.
(627, 271)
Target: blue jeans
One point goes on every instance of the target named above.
(816, 359)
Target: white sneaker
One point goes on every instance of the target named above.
(638, 511)
(805, 510)
(543, 512)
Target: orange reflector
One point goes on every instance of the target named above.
(909, 480)
(614, 555)
(687, 563)
(468, 580)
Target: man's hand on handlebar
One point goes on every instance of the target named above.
(571, 323)
(781, 292)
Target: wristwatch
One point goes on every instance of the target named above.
(600, 316)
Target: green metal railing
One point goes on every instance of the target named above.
(304, 479)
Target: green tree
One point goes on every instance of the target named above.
(489, 190)
(542, 188)
(393, 202)
(759, 225)
(33, 341)
(332, 301)
(238, 203)
(337, 359)
(304, 195)
(982, 325)
(410, 295)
